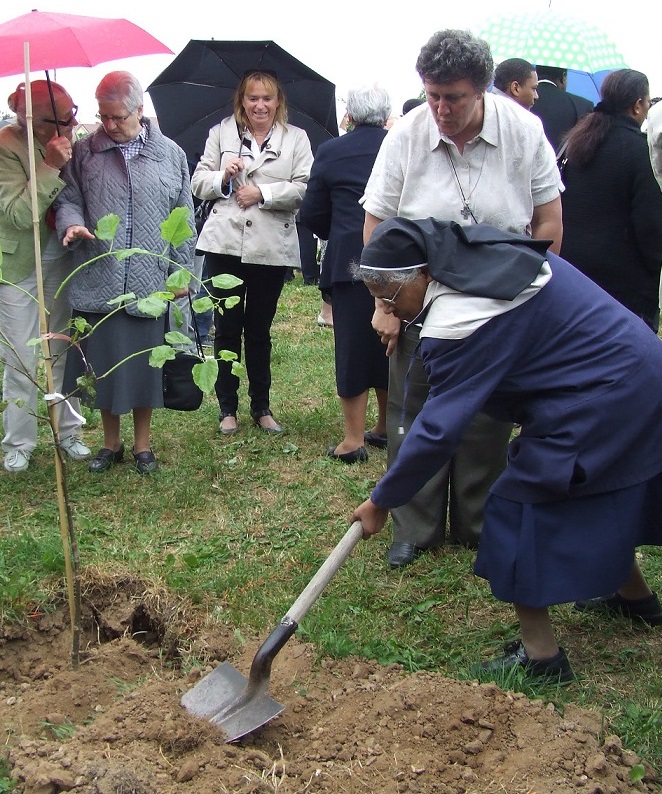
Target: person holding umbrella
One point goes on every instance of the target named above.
(19, 315)
(255, 166)
(516, 331)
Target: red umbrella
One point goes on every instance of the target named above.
(60, 40)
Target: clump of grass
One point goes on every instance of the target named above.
(7, 783)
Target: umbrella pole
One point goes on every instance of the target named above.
(66, 523)
(50, 93)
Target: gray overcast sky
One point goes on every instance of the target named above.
(350, 43)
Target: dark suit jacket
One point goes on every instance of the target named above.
(331, 208)
(559, 111)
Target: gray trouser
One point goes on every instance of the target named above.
(461, 486)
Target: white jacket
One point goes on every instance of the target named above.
(264, 233)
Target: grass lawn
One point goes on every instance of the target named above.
(235, 526)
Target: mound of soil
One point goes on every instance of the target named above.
(115, 725)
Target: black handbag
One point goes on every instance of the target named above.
(180, 393)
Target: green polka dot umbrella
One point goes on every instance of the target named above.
(552, 39)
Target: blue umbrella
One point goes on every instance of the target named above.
(586, 84)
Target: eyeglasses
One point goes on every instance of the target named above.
(115, 119)
(391, 301)
(68, 123)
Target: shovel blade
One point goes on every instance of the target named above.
(226, 700)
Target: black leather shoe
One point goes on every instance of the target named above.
(374, 440)
(645, 610)
(105, 458)
(554, 670)
(359, 455)
(257, 415)
(400, 554)
(145, 462)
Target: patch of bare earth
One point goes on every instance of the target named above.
(115, 725)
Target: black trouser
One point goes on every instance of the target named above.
(252, 318)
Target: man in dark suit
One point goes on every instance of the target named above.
(558, 109)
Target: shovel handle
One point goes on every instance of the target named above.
(324, 575)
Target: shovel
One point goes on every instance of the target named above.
(238, 706)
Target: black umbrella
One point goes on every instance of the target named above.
(196, 91)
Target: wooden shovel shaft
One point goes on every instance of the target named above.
(333, 562)
(261, 666)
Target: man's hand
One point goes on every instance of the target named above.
(58, 152)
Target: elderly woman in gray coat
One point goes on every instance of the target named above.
(129, 168)
(255, 167)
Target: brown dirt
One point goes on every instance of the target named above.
(115, 725)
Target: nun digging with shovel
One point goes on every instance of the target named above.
(517, 332)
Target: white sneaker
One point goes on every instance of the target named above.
(75, 448)
(16, 461)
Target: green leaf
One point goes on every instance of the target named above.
(177, 338)
(34, 341)
(87, 384)
(637, 772)
(180, 279)
(201, 305)
(238, 369)
(153, 307)
(80, 325)
(159, 355)
(227, 355)
(233, 300)
(107, 227)
(178, 317)
(125, 253)
(205, 374)
(128, 296)
(226, 281)
(176, 229)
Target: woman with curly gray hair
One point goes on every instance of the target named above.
(471, 157)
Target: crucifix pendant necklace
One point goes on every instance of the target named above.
(466, 210)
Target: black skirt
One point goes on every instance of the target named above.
(361, 361)
(134, 384)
